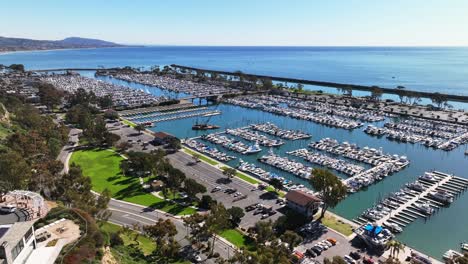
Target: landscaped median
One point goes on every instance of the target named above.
(127, 122)
(103, 167)
(238, 239)
(339, 226)
(201, 156)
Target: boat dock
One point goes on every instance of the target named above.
(152, 109)
(156, 114)
(414, 201)
(198, 113)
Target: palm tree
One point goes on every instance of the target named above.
(395, 247)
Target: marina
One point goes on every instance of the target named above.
(274, 130)
(211, 152)
(286, 164)
(255, 137)
(430, 133)
(274, 105)
(175, 115)
(231, 144)
(432, 192)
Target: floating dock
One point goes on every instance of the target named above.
(402, 208)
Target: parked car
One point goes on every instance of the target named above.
(216, 189)
(355, 255)
(332, 241)
(349, 259)
(310, 253)
(368, 260)
(317, 250)
(8, 209)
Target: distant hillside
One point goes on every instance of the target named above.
(17, 44)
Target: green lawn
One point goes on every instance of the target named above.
(237, 238)
(202, 157)
(144, 243)
(102, 166)
(127, 122)
(337, 225)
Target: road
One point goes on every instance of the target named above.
(127, 214)
(205, 174)
(67, 150)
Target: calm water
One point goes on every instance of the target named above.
(425, 69)
(444, 230)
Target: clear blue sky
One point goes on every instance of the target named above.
(243, 22)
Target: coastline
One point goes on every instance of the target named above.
(65, 49)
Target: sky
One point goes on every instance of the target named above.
(243, 22)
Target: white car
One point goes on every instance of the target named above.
(349, 259)
(197, 258)
(8, 208)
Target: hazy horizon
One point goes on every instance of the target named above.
(299, 23)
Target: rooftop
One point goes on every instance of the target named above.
(301, 198)
(14, 232)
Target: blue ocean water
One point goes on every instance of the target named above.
(430, 69)
(425, 69)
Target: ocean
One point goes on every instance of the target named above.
(428, 69)
(425, 69)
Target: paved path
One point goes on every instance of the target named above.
(127, 214)
(67, 150)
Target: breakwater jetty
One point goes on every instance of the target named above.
(450, 97)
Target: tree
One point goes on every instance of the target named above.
(229, 172)
(163, 229)
(335, 260)
(376, 93)
(49, 96)
(438, 99)
(103, 199)
(264, 231)
(82, 97)
(196, 157)
(395, 247)
(111, 114)
(236, 214)
(217, 221)
(74, 190)
(174, 180)
(14, 170)
(192, 188)
(105, 101)
(276, 183)
(300, 87)
(198, 231)
(174, 143)
(267, 84)
(206, 202)
(291, 238)
(140, 127)
(331, 188)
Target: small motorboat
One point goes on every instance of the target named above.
(394, 228)
(464, 247)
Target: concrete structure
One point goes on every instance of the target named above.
(304, 203)
(17, 242)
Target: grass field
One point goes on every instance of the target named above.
(335, 224)
(237, 238)
(103, 167)
(202, 157)
(144, 243)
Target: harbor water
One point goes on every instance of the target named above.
(425, 69)
(446, 228)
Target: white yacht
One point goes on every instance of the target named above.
(451, 254)
(394, 228)
(441, 196)
(428, 177)
(464, 247)
(424, 208)
(255, 148)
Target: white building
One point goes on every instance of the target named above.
(17, 241)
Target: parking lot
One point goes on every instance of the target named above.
(245, 194)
